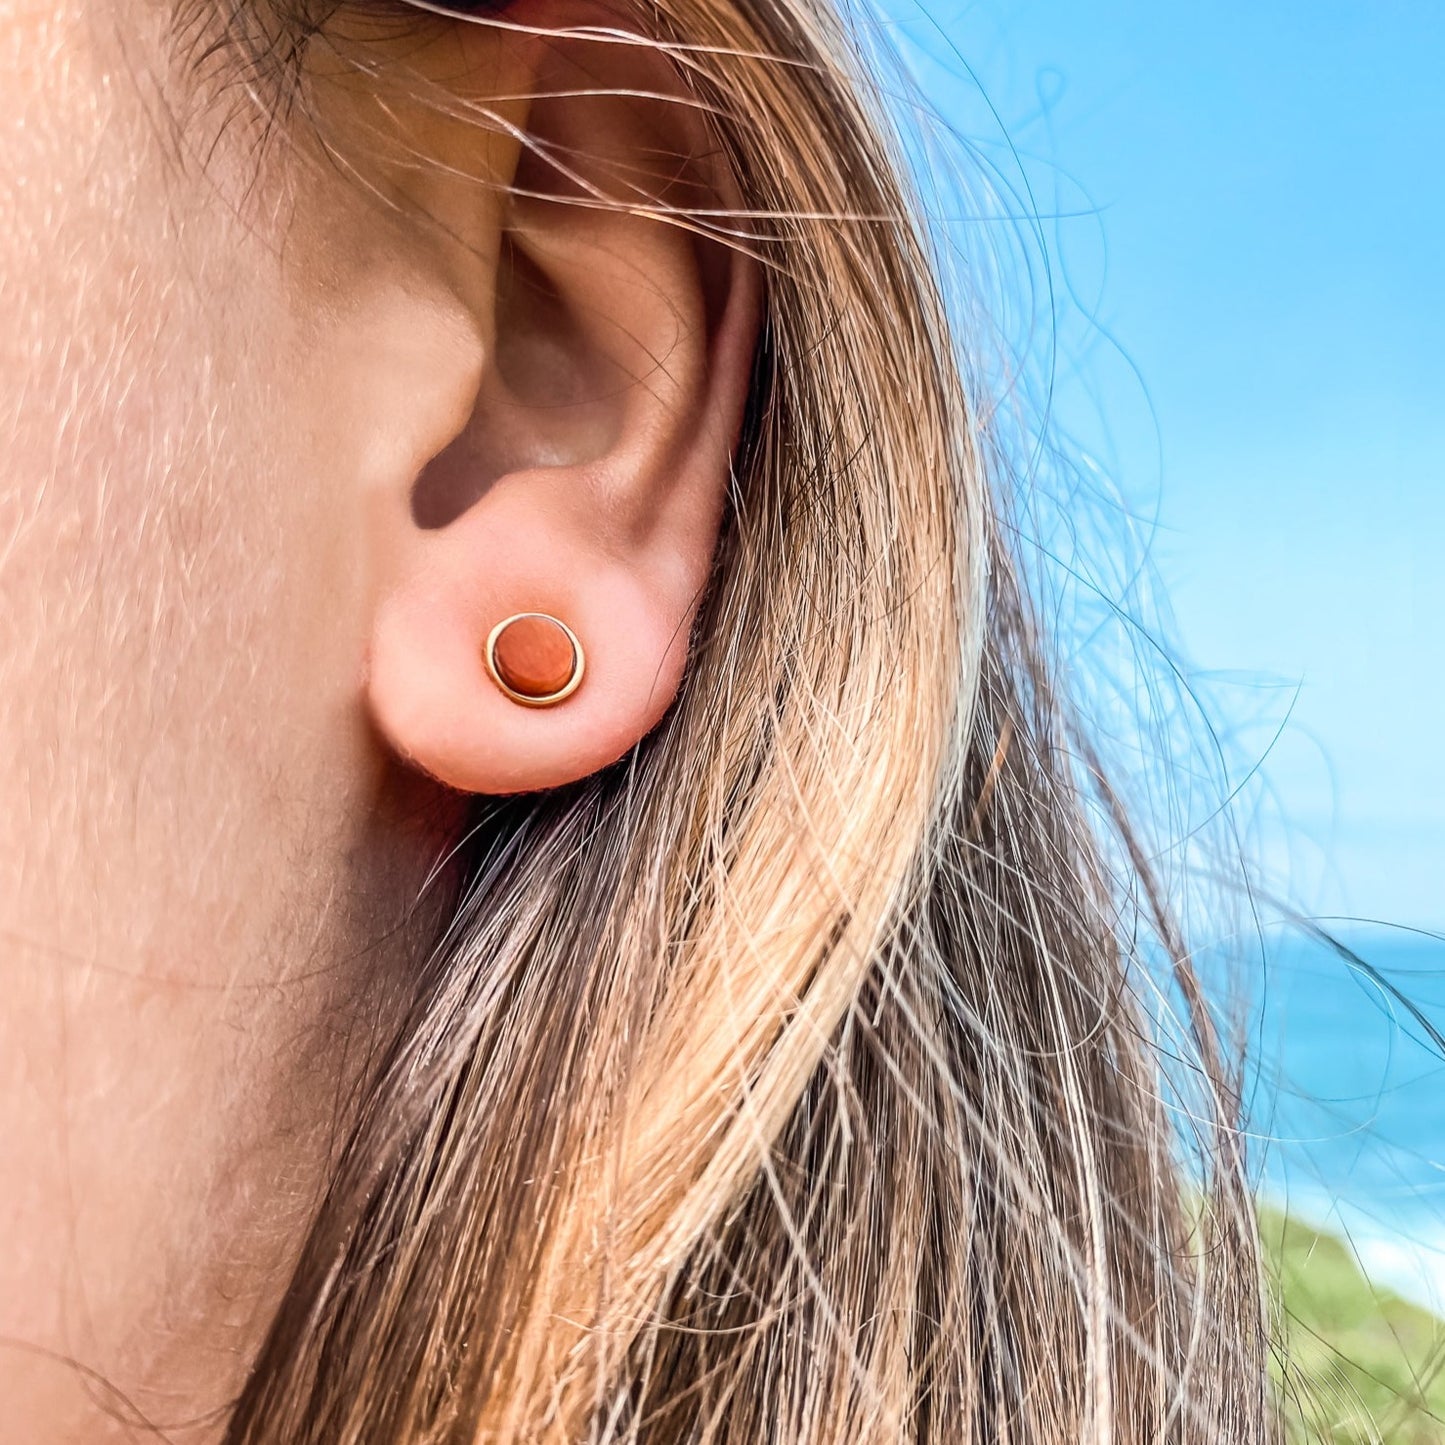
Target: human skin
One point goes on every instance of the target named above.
(211, 849)
(189, 846)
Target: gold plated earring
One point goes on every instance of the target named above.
(535, 659)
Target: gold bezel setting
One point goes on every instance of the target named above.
(551, 699)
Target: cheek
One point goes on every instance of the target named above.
(179, 583)
(183, 766)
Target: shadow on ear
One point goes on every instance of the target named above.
(561, 366)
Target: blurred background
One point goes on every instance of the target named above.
(1215, 233)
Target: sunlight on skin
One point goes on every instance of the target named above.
(189, 850)
(224, 367)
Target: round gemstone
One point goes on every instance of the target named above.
(534, 655)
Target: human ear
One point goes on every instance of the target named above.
(557, 387)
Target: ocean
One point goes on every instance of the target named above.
(1347, 1098)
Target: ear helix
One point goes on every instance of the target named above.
(535, 659)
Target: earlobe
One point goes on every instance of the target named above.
(542, 571)
(435, 697)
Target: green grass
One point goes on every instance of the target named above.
(1364, 1365)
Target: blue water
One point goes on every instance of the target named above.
(1348, 1097)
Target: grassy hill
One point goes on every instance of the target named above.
(1365, 1366)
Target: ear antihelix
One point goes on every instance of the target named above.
(535, 659)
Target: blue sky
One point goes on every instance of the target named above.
(1244, 208)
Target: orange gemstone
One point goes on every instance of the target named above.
(534, 655)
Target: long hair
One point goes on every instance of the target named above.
(795, 1078)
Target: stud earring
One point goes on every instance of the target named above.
(535, 659)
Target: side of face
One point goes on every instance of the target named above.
(235, 669)
(186, 854)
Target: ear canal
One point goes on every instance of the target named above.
(546, 396)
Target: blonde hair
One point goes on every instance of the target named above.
(789, 1081)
